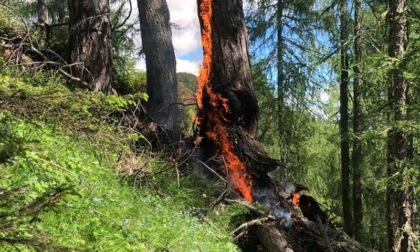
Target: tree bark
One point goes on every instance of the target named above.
(401, 199)
(344, 127)
(281, 89)
(157, 45)
(90, 43)
(43, 23)
(272, 239)
(357, 125)
(231, 72)
(228, 109)
(42, 13)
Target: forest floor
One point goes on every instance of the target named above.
(65, 173)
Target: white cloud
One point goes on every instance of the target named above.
(184, 14)
(181, 66)
(187, 38)
(187, 66)
(185, 41)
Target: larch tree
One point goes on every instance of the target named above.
(344, 117)
(401, 198)
(357, 123)
(157, 45)
(281, 41)
(90, 43)
(226, 100)
(281, 87)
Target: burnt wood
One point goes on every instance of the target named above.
(311, 210)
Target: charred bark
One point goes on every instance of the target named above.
(253, 154)
(284, 228)
(231, 72)
(229, 79)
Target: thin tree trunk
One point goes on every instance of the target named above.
(42, 13)
(157, 45)
(357, 124)
(90, 43)
(43, 23)
(401, 199)
(281, 107)
(344, 127)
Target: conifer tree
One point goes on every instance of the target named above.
(160, 64)
(401, 196)
(90, 43)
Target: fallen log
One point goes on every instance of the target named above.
(283, 229)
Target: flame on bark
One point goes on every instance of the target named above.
(295, 199)
(216, 124)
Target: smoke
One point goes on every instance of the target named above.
(265, 196)
(270, 199)
(281, 213)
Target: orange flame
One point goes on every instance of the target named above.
(204, 75)
(295, 199)
(236, 169)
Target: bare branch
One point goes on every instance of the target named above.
(126, 19)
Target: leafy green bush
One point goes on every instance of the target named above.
(130, 82)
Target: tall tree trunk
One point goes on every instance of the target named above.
(90, 43)
(401, 199)
(281, 106)
(357, 124)
(42, 13)
(344, 127)
(43, 23)
(162, 89)
(228, 109)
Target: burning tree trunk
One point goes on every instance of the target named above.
(228, 109)
(226, 128)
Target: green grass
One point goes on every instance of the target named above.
(102, 211)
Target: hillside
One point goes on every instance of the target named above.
(65, 184)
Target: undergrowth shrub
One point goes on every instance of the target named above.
(57, 141)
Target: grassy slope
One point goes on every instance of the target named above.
(105, 212)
